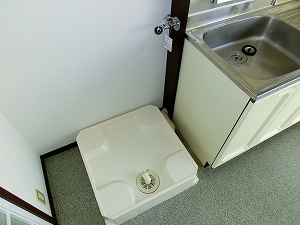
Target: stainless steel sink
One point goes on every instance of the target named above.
(259, 51)
(259, 47)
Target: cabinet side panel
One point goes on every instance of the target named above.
(207, 104)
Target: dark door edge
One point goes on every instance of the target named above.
(26, 206)
(180, 9)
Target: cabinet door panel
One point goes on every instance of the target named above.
(292, 111)
(282, 112)
(255, 126)
(270, 127)
(295, 118)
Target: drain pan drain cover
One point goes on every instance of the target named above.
(147, 187)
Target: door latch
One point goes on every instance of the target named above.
(170, 22)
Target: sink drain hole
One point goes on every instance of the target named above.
(237, 57)
(148, 185)
(249, 50)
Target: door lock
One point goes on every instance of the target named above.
(170, 22)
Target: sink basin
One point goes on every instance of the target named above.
(271, 47)
(258, 51)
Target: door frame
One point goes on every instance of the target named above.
(179, 8)
(26, 206)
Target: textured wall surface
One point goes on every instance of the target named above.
(66, 65)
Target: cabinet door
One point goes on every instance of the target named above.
(285, 115)
(291, 111)
(250, 127)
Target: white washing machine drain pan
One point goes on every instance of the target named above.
(117, 152)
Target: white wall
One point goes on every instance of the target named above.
(20, 167)
(66, 65)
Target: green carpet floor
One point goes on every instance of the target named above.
(261, 186)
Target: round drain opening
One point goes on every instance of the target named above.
(249, 50)
(237, 57)
(147, 181)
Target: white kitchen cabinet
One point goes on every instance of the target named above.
(259, 123)
(281, 115)
(207, 104)
(292, 109)
(217, 119)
